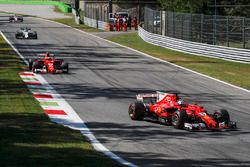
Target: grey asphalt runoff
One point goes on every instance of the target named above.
(44, 11)
(104, 79)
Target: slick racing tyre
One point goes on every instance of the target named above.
(35, 66)
(65, 67)
(222, 115)
(136, 110)
(35, 35)
(179, 118)
(30, 64)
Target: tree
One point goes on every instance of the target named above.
(189, 6)
(223, 7)
(236, 7)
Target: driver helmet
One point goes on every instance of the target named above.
(181, 102)
(47, 55)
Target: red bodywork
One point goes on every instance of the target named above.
(164, 106)
(47, 63)
(168, 105)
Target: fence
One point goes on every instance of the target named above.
(96, 16)
(95, 23)
(217, 30)
(233, 54)
(99, 13)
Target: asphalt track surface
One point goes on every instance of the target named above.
(104, 79)
(44, 11)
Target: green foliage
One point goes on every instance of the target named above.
(236, 7)
(189, 6)
(223, 7)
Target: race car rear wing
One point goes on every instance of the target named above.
(158, 96)
(44, 54)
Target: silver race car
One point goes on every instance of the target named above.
(15, 18)
(26, 33)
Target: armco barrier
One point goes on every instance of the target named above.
(94, 23)
(62, 6)
(232, 54)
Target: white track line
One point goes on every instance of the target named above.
(72, 120)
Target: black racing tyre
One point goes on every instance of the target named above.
(30, 64)
(65, 67)
(179, 118)
(35, 35)
(35, 66)
(222, 115)
(136, 110)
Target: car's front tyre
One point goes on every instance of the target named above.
(35, 66)
(179, 118)
(222, 115)
(65, 67)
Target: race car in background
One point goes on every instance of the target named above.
(15, 19)
(47, 63)
(26, 33)
(170, 109)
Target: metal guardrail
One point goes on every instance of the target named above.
(229, 31)
(227, 53)
(76, 16)
(94, 23)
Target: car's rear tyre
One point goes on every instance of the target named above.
(136, 110)
(35, 35)
(222, 115)
(179, 118)
(65, 67)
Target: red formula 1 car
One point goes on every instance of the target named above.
(169, 109)
(47, 63)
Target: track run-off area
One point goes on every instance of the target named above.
(104, 79)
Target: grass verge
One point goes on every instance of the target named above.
(71, 22)
(231, 72)
(27, 136)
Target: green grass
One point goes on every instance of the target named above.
(62, 6)
(231, 72)
(71, 22)
(27, 136)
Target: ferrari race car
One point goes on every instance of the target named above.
(15, 18)
(26, 33)
(170, 109)
(47, 63)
